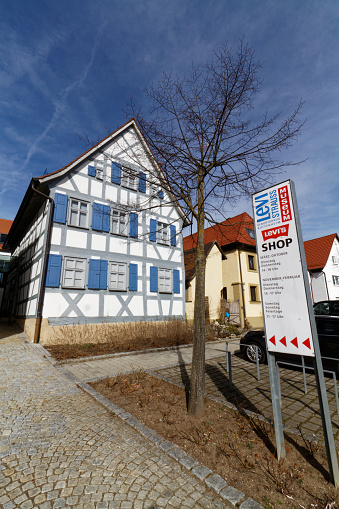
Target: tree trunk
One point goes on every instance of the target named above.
(197, 385)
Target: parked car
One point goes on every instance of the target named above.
(327, 307)
(328, 334)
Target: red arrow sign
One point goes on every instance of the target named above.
(283, 341)
(295, 342)
(307, 343)
(272, 339)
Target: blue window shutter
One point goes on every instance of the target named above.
(106, 212)
(101, 217)
(161, 195)
(60, 208)
(97, 216)
(91, 171)
(153, 230)
(116, 173)
(176, 281)
(93, 274)
(133, 224)
(53, 271)
(142, 182)
(133, 277)
(173, 235)
(103, 275)
(153, 279)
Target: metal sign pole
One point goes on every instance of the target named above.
(275, 393)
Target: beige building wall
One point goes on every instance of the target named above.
(213, 286)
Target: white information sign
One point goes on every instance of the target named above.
(287, 321)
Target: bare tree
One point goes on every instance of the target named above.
(212, 150)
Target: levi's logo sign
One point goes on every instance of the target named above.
(274, 233)
(284, 201)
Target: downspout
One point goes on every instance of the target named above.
(44, 266)
(242, 289)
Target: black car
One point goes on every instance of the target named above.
(328, 334)
(327, 307)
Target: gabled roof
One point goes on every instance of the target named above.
(318, 250)
(232, 231)
(189, 258)
(32, 201)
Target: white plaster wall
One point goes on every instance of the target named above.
(82, 183)
(54, 305)
(332, 269)
(89, 304)
(118, 245)
(152, 307)
(56, 235)
(111, 194)
(318, 287)
(136, 305)
(98, 242)
(177, 308)
(136, 248)
(112, 305)
(96, 188)
(75, 238)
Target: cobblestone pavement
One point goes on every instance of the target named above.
(297, 408)
(60, 448)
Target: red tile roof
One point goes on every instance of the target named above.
(231, 231)
(318, 250)
(5, 225)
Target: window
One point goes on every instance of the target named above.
(224, 293)
(251, 262)
(335, 260)
(74, 272)
(165, 280)
(253, 291)
(97, 172)
(250, 233)
(78, 213)
(117, 279)
(162, 233)
(129, 178)
(3, 237)
(335, 280)
(119, 222)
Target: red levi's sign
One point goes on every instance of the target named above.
(285, 207)
(274, 233)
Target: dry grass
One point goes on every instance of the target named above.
(73, 341)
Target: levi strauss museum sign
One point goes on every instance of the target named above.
(282, 278)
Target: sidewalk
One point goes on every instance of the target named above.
(114, 364)
(60, 448)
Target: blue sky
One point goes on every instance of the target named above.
(69, 67)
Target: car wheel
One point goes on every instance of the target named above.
(250, 353)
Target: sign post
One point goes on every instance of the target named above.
(287, 305)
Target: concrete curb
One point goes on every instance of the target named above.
(204, 474)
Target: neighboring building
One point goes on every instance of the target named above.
(5, 257)
(322, 257)
(98, 241)
(213, 280)
(231, 277)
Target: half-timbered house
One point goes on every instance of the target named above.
(98, 241)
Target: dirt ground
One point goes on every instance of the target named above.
(74, 351)
(239, 448)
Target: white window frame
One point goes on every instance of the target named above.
(78, 211)
(99, 173)
(335, 280)
(129, 178)
(118, 269)
(165, 280)
(116, 219)
(162, 233)
(76, 271)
